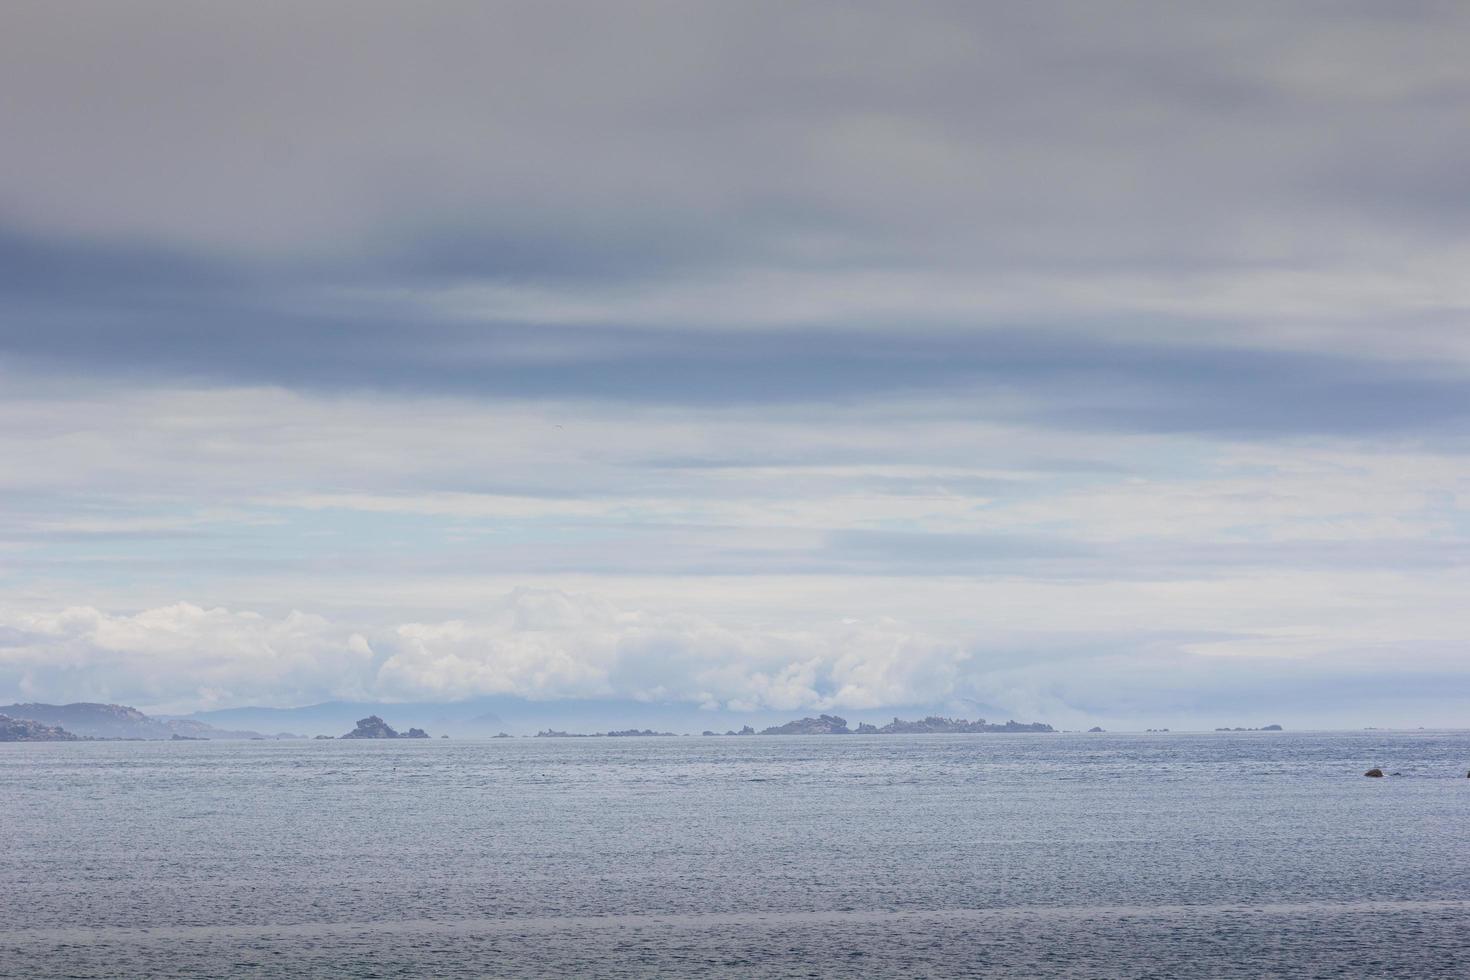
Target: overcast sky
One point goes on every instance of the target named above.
(1091, 362)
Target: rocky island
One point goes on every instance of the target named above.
(374, 727)
(935, 725)
(1263, 728)
(932, 725)
(820, 725)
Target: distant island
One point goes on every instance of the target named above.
(374, 727)
(932, 725)
(945, 726)
(1264, 728)
(625, 733)
(820, 725)
(834, 725)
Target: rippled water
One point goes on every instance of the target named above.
(970, 855)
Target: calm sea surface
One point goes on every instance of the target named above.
(963, 855)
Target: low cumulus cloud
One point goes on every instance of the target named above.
(179, 656)
(539, 644)
(516, 199)
(548, 645)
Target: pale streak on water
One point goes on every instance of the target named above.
(972, 855)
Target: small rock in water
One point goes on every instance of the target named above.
(1375, 773)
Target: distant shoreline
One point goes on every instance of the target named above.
(86, 721)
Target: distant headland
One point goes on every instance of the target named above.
(91, 721)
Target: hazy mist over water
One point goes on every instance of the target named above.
(1069, 855)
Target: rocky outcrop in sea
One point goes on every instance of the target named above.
(374, 727)
(625, 733)
(947, 726)
(820, 725)
(834, 725)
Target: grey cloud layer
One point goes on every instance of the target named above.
(881, 125)
(1161, 217)
(143, 316)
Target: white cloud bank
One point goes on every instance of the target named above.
(547, 645)
(533, 643)
(179, 656)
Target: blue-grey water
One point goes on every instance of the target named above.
(961, 855)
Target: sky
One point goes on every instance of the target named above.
(1086, 362)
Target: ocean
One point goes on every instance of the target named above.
(1105, 855)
